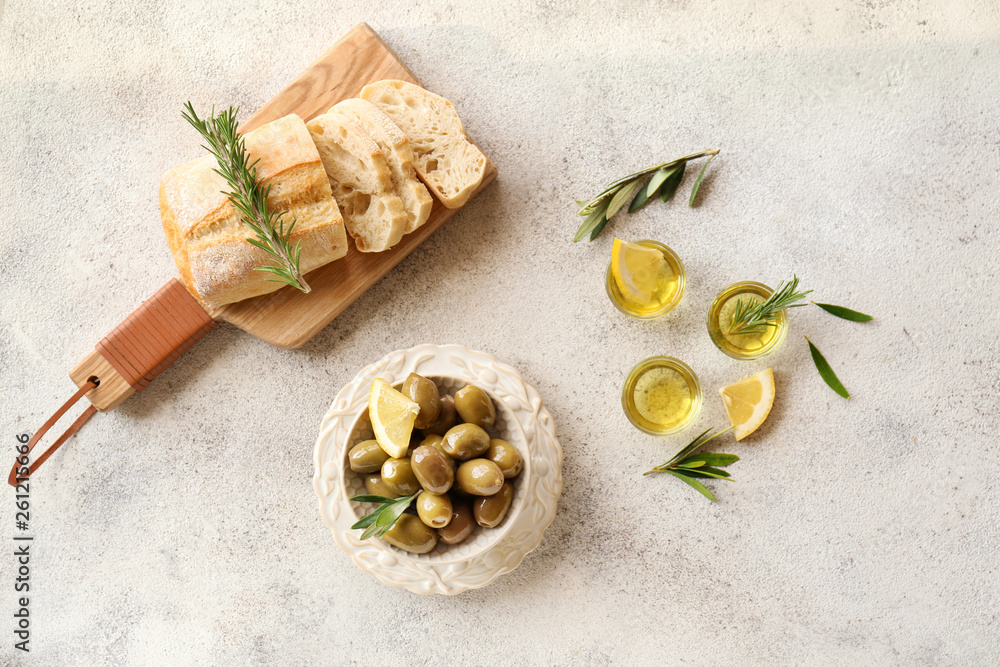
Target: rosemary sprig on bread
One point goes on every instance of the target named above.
(249, 196)
(664, 178)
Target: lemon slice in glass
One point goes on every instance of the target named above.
(636, 270)
(748, 402)
(392, 416)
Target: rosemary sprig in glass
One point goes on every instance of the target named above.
(664, 178)
(690, 467)
(754, 318)
(385, 515)
(249, 196)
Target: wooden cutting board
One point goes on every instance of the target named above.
(287, 318)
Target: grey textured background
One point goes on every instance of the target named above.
(859, 150)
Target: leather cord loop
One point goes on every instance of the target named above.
(14, 478)
(163, 328)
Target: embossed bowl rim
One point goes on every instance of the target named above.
(540, 492)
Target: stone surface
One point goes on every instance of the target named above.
(859, 150)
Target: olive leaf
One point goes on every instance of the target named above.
(594, 219)
(657, 180)
(689, 466)
(660, 180)
(598, 228)
(385, 515)
(825, 371)
(620, 198)
(697, 183)
(844, 313)
(638, 201)
(713, 459)
(698, 486)
(663, 178)
(708, 472)
(669, 187)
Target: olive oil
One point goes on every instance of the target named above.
(668, 287)
(744, 346)
(662, 395)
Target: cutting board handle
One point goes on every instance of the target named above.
(125, 361)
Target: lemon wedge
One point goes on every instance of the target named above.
(748, 402)
(636, 270)
(392, 416)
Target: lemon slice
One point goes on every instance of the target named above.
(636, 270)
(392, 416)
(748, 402)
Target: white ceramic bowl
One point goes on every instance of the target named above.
(521, 419)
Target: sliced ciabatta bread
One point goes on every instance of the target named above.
(398, 153)
(450, 165)
(361, 182)
(207, 236)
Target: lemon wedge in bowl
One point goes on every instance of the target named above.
(748, 402)
(392, 415)
(636, 269)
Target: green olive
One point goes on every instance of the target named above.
(479, 477)
(435, 441)
(434, 511)
(491, 510)
(465, 441)
(398, 476)
(434, 470)
(475, 406)
(376, 486)
(506, 456)
(425, 393)
(410, 534)
(461, 524)
(366, 457)
(447, 418)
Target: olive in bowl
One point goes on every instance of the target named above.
(461, 477)
(479, 477)
(465, 441)
(489, 511)
(434, 470)
(475, 406)
(424, 393)
(367, 457)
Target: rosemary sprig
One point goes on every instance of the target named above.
(249, 196)
(690, 467)
(385, 515)
(664, 179)
(751, 318)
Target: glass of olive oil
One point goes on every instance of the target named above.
(744, 346)
(667, 293)
(662, 395)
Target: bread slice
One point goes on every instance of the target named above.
(398, 153)
(451, 166)
(207, 237)
(361, 182)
